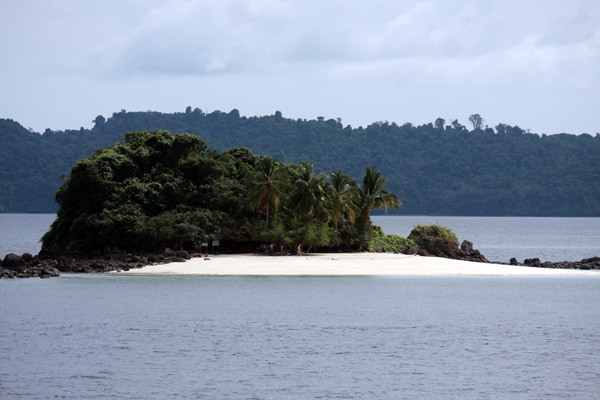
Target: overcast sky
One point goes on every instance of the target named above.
(531, 63)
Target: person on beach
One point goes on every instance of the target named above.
(299, 249)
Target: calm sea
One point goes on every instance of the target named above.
(134, 337)
(498, 238)
(21, 233)
(501, 238)
(178, 337)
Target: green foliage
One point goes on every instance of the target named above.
(178, 228)
(312, 235)
(159, 189)
(308, 196)
(382, 243)
(265, 186)
(439, 168)
(343, 197)
(433, 238)
(139, 194)
(349, 236)
(373, 195)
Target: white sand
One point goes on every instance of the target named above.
(343, 264)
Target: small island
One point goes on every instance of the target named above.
(159, 197)
(160, 190)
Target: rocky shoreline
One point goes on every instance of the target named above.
(466, 252)
(46, 265)
(592, 263)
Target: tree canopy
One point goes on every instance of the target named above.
(439, 168)
(159, 189)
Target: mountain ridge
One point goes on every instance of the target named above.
(435, 168)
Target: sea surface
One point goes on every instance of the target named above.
(21, 233)
(501, 238)
(107, 336)
(181, 337)
(498, 238)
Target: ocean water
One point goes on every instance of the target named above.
(501, 238)
(131, 337)
(134, 337)
(21, 233)
(498, 238)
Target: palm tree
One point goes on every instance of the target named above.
(374, 196)
(308, 197)
(343, 197)
(264, 187)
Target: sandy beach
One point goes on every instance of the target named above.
(341, 264)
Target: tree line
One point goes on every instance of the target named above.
(443, 168)
(158, 189)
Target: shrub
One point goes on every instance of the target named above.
(382, 243)
(434, 239)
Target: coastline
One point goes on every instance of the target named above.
(343, 264)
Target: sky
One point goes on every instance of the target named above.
(528, 63)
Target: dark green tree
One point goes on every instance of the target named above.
(137, 195)
(309, 195)
(373, 195)
(439, 124)
(477, 121)
(265, 186)
(343, 198)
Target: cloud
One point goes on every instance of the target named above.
(470, 46)
(380, 60)
(432, 41)
(195, 38)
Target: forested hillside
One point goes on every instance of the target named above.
(158, 189)
(436, 168)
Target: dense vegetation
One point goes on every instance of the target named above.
(438, 168)
(158, 190)
(433, 238)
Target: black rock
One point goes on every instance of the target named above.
(13, 262)
(466, 246)
(49, 272)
